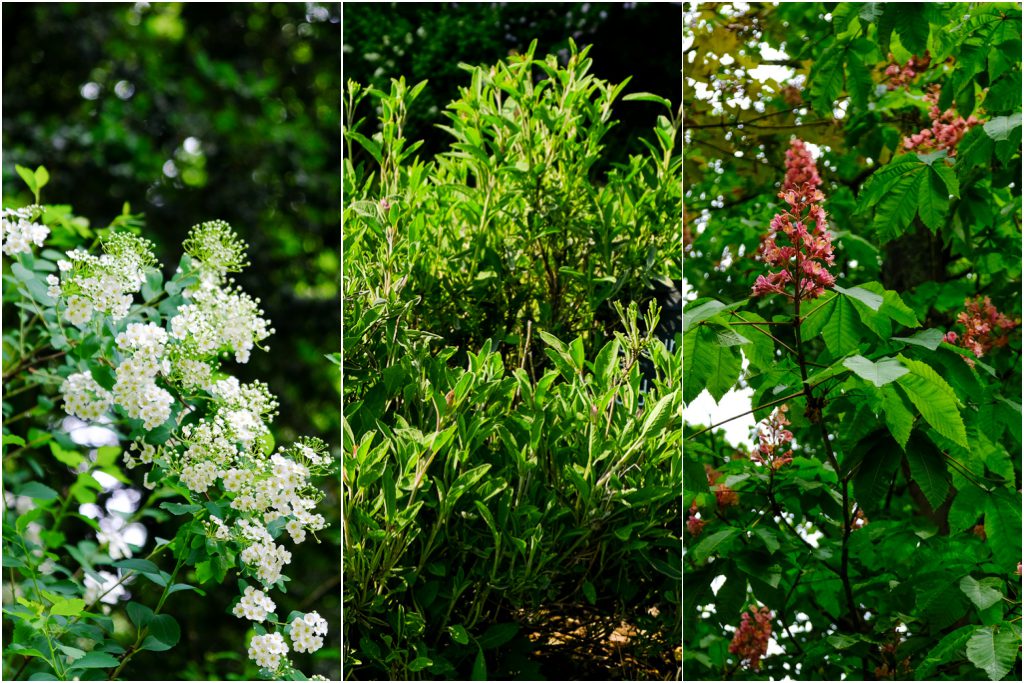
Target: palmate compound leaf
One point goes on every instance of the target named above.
(911, 185)
(993, 649)
(934, 399)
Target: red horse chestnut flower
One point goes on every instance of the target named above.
(751, 639)
(799, 244)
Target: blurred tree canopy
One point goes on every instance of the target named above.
(189, 113)
(429, 41)
(195, 112)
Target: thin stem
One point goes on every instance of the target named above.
(816, 416)
(734, 417)
(143, 632)
(765, 332)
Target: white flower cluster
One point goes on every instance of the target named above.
(136, 389)
(254, 605)
(20, 232)
(84, 397)
(103, 284)
(222, 450)
(216, 250)
(267, 650)
(220, 319)
(307, 633)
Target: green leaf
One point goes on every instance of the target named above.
(868, 298)
(812, 325)
(1003, 525)
(420, 663)
(497, 635)
(647, 97)
(911, 23)
(68, 608)
(139, 565)
(929, 339)
(180, 508)
(695, 479)
(897, 416)
(998, 128)
(697, 314)
(928, 469)
(589, 592)
(967, 507)
(95, 660)
(712, 367)
(658, 416)
(872, 479)
(164, 628)
(934, 399)
(983, 596)
(993, 650)
(42, 177)
(37, 491)
(479, 666)
(606, 364)
(841, 333)
(879, 372)
(29, 177)
(827, 79)
(139, 614)
(711, 543)
(949, 649)
(933, 202)
(459, 634)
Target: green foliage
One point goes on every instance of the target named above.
(507, 461)
(888, 546)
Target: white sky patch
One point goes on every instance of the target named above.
(704, 410)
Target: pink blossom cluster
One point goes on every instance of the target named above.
(750, 641)
(900, 76)
(985, 328)
(724, 495)
(946, 132)
(800, 168)
(774, 439)
(694, 524)
(807, 247)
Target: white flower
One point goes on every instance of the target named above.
(19, 232)
(307, 632)
(254, 605)
(84, 397)
(110, 535)
(267, 650)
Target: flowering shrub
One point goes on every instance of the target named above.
(874, 531)
(114, 354)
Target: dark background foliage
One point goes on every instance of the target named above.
(429, 41)
(192, 113)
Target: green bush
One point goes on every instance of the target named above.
(495, 475)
